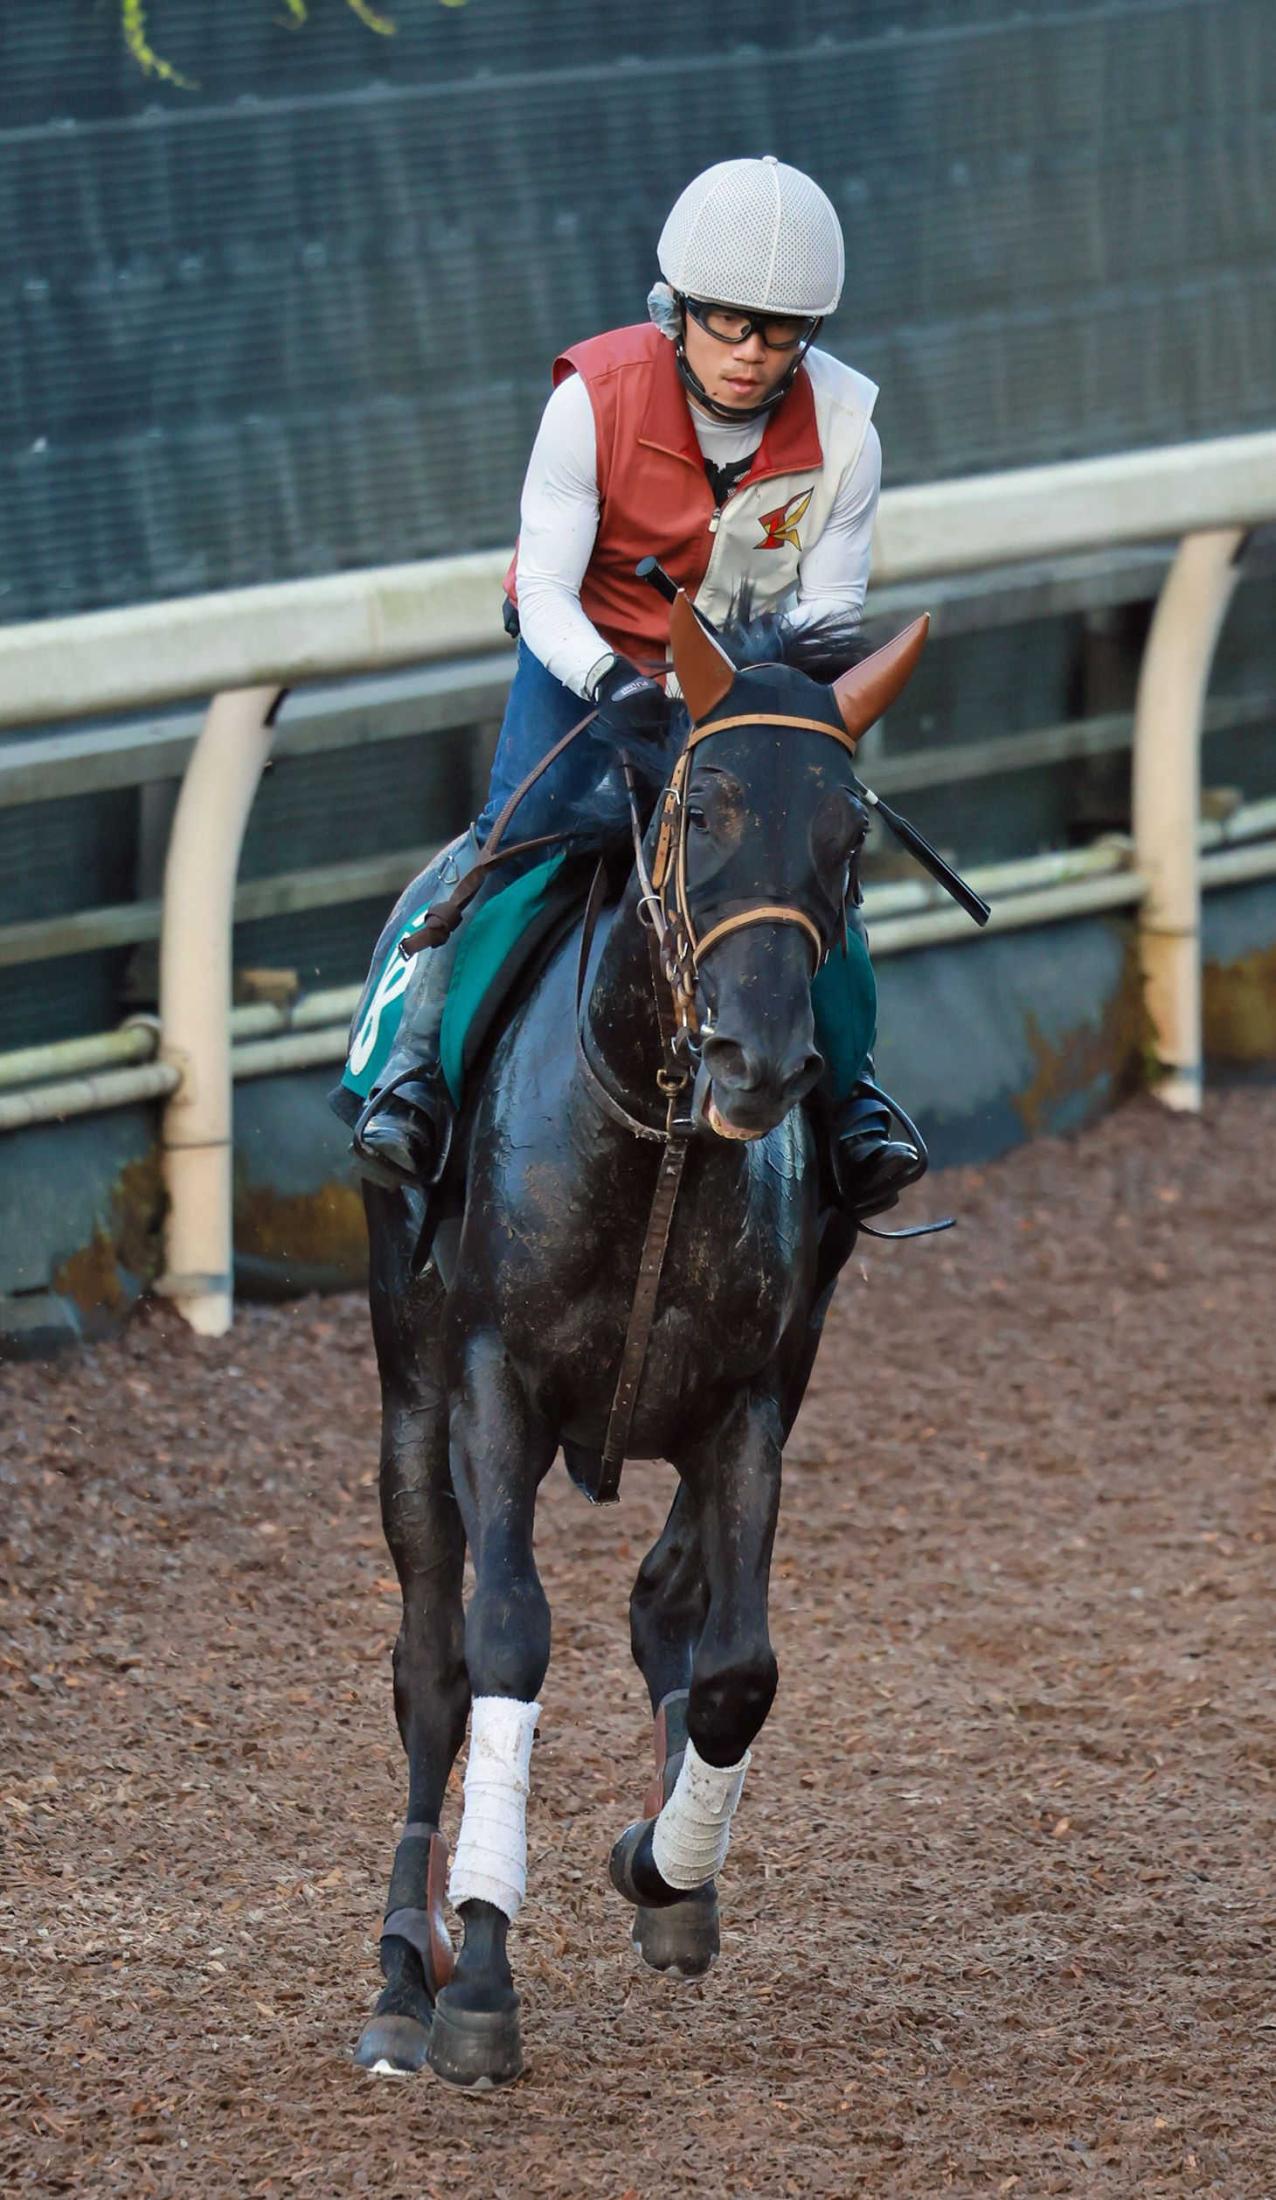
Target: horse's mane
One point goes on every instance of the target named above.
(821, 648)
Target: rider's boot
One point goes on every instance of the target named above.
(873, 1167)
(405, 1130)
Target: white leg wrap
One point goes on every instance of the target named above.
(490, 1864)
(693, 1831)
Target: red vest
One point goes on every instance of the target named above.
(654, 495)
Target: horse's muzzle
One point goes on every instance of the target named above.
(744, 1095)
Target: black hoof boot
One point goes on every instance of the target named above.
(393, 2046)
(633, 1872)
(393, 2042)
(416, 1958)
(474, 2040)
(475, 2048)
(683, 1939)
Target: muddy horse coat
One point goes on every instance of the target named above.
(484, 1381)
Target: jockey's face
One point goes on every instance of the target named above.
(741, 374)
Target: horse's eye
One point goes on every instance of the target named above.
(696, 817)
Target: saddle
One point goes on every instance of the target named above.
(504, 943)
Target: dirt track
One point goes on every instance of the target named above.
(999, 1917)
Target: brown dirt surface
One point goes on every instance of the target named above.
(998, 1917)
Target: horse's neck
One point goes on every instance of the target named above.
(620, 1012)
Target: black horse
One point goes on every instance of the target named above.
(483, 1381)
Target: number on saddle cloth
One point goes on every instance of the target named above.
(498, 939)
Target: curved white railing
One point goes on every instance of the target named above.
(244, 646)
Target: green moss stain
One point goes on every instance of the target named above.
(91, 1278)
(1117, 1050)
(128, 1245)
(320, 1229)
(1239, 1008)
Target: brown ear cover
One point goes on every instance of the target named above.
(863, 693)
(705, 672)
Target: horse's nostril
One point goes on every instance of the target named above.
(730, 1065)
(805, 1072)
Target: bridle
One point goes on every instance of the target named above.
(664, 899)
(678, 953)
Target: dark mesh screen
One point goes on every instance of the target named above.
(302, 317)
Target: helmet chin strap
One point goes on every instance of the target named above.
(734, 415)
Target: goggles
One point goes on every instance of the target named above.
(731, 325)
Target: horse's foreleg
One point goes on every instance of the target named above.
(734, 1482)
(666, 1614)
(668, 1604)
(501, 1451)
(422, 1524)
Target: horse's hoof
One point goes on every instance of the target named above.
(475, 2048)
(393, 2046)
(682, 1939)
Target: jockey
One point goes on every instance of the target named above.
(716, 438)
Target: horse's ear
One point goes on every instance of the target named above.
(705, 672)
(869, 688)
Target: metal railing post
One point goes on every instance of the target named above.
(1168, 712)
(195, 999)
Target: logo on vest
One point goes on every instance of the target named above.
(780, 527)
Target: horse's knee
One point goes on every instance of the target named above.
(646, 1589)
(667, 1602)
(430, 1675)
(731, 1695)
(507, 1639)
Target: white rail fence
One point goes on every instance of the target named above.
(246, 647)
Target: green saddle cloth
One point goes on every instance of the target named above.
(498, 938)
(495, 942)
(844, 998)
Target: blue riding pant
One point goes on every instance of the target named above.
(540, 710)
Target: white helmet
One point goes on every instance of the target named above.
(758, 234)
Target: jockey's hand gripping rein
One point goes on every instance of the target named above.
(630, 706)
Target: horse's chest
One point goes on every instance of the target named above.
(738, 1260)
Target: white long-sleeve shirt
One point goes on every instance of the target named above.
(559, 524)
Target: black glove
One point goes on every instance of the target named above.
(630, 706)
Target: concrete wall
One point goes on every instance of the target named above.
(986, 1043)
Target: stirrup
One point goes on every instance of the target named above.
(869, 1090)
(441, 1117)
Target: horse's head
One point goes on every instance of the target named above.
(754, 860)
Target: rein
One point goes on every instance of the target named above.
(674, 1081)
(444, 917)
(677, 954)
